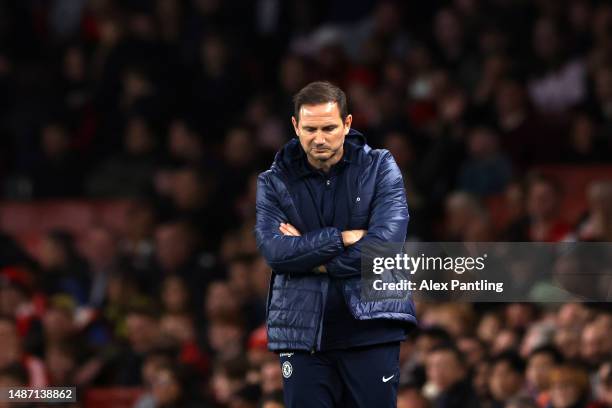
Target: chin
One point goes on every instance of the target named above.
(322, 156)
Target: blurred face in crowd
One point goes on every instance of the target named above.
(582, 134)
(188, 189)
(504, 382)
(61, 364)
(239, 148)
(271, 377)
(9, 343)
(100, 247)
(411, 398)
(184, 143)
(488, 327)
(596, 343)
(399, 146)
(239, 278)
(568, 386)
(604, 391)
(506, 339)
(603, 84)
(178, 327)
(482, 143)
(12, 297)
(139, 222)
(214, 55)
(321, 132)
(472, 350)
(74, 65)
(480, 380)
(444, 369)
(567, 340)
(572, 315)
(518, 315)
(272, 404)
(225, 338)
(461, 211)
(166, 388)
(151, 365)
(546, 40)
(220, 300)
(447, 29)
(58, 324)
(52, 254)
(538, 371)
(141, 332)
(173, 245)
(138, 137)
(542, 200)
(174, 294)
(509, 99)
(292, 74)
(55, 141)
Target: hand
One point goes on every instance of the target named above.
(350, 237)
(289, 230)
(320, 269)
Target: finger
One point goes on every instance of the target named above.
(293, 229)
(286, 231)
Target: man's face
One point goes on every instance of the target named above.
(321, 131)
(443, 369)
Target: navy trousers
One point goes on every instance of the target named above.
(364, 377)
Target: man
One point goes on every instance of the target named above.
(326, 195)
(448, 383)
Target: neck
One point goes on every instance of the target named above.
(325, 165)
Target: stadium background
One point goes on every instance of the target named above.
(132, 132)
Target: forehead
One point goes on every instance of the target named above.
(319, 114)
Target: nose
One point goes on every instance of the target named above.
(319, 138)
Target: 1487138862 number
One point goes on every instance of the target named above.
(40, 394)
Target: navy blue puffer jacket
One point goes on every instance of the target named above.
(297, 295)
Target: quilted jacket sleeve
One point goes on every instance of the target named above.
(388, 219)
(286, 254)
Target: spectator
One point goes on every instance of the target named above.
(129, 173)
(58, 171)
(507, 375)
(447, 381)
(14, 357)
(540, 363)
(569, 387)
(486, 171)
(62, 269)
(143, 336)
(544, 221)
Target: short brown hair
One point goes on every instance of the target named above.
(319, 92)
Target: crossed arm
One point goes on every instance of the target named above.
(287, 250)
(349, 237)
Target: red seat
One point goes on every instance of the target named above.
(73, 215)
(116, 397)
(575, 181)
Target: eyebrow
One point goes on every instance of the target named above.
(331, 125)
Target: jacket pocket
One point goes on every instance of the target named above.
(298, 309)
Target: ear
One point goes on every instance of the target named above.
(295, 126)
(347, 124)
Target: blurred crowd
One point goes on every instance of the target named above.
(178, 105)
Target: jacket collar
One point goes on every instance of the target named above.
(292, 159)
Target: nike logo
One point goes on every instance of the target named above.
(385, 379)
